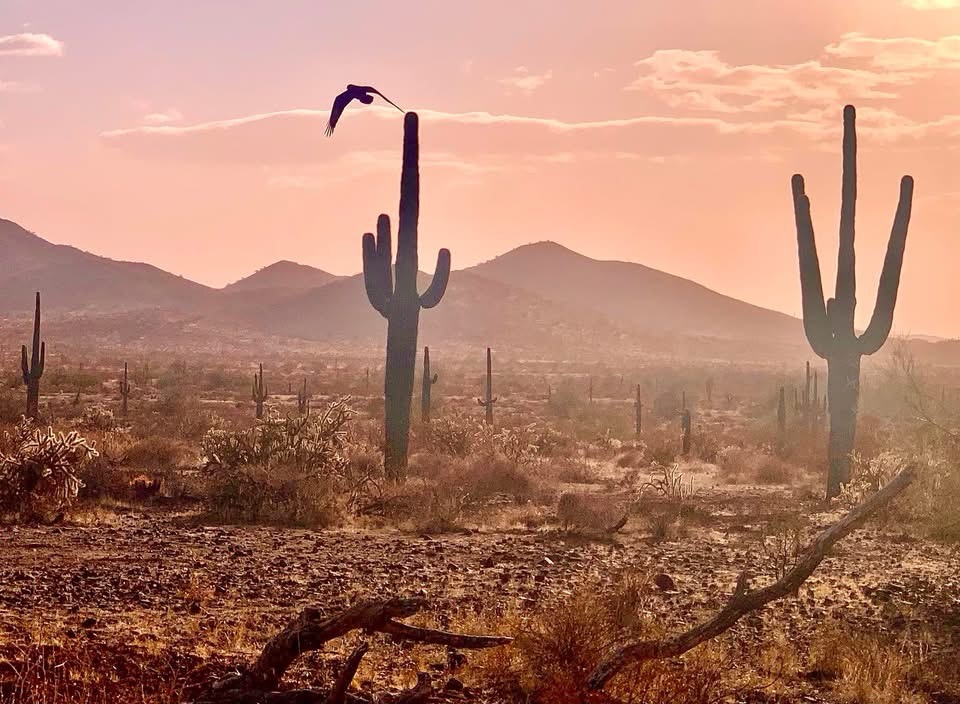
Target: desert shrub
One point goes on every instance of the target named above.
(782, 543)
(278, 495)
(97, 418)
(559, 645)
(313, 443)
(590, 512)
(12, 404)
(283, 471)
(176, 414)
(739, 465)
(455, 435)
(157, 452)
(39, 476)
(865, 669)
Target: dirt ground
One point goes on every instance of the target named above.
(153, 579)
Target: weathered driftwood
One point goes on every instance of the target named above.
(746, 600)
(311, 630)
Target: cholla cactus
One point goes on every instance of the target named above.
(40, 475)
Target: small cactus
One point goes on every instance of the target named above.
(259, 392)
(489, 400)
(686, 428)
(638, 408)
(124, 392)
(782, 417)
(303, 400)
(428, 382)
(33, 368)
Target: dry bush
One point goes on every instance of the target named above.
(90, 673)
(558, 646)
(159, 453)
(177, 414)
(571, 470)
(740, 465)
(589, 512)
(39, 472)
(278, 495)
(866, 669)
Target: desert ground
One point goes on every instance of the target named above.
(559, 526)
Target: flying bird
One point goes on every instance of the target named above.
(362, 93)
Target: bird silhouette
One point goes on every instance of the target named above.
(362, 93)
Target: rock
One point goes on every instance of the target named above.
(665, 582)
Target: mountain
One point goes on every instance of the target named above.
(282, 275)
(475, 312)
(76, 281)
(635, 296)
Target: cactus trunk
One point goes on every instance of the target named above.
(124, 392)
(259, 392)
(33, 368)
(428, 382)
(782, 417)
(829, 325)
(490, 400)
(399, 302)
(685, 427)
(638, 407)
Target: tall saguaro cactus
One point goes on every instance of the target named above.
(428, 382)
(829, 326)
(303, 399)
(638, 408)
(489, 400)
(33, 368)
(399, 301)
(124, 392)
(259, 392)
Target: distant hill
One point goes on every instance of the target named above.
(75, 281)
(635, 296)
(282, 275)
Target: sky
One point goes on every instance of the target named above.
(190, 134)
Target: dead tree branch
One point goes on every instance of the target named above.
(311, 630)
(745, 600)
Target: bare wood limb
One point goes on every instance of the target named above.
(404, 631)
(745, 600)
(339, 692)
(312, 629)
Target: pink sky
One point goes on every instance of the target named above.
(190, 135)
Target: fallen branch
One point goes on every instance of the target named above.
(745, 600)
(311, 630)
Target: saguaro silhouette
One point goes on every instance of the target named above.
(830, 327)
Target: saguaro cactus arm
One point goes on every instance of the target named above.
(882, 320)
(378, 267)
(815, 321)
(431, 297)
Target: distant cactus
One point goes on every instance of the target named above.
(490, 400)
(124, 392)
(259, 392)
(782, 417)
(303, 400)
(686, 427)
(830, 326)
(591, 389)
(399, 302)
(708, 387)
(33, 369)
(638, 408)
(428, 382)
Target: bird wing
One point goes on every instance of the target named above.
(374, 90)
(339, 105)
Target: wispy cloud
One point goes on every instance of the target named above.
(525, 82)
(932, 4)
(163, 117)
(908, 56)
(30, 44)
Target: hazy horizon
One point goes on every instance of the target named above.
(191, 138)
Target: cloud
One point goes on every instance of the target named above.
(524, 81)
(164, 117)
(932, 4)
(296, 136)
(702, 81)
(905, 55)
(30, 44)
